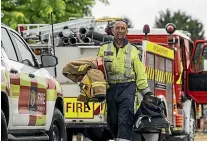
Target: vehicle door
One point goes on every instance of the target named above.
(12, 63)
(32, 83)
(197, 73)
(38, 81)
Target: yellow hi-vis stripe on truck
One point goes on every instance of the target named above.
(160, 50)
(159, 76)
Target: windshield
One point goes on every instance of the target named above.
(203, 59)
(200, 57)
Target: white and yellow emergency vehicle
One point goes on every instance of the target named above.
(31, 99)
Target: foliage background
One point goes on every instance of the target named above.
(38, 11)
(183, 21)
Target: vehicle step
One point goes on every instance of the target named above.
(28, 138)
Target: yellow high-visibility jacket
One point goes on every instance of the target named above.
(124, 65)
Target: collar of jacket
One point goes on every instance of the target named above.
(125, 42)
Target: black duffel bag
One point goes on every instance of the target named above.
(150, 116)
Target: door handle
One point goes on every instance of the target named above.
(31, 75)
(13, 71)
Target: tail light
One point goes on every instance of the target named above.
(21, 28)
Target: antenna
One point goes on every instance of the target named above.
(53, 41)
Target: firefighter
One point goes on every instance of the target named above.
(125, 75)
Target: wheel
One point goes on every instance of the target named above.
(57, 130)
(98, 134)
(4, 130)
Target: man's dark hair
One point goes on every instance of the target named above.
(121, 20)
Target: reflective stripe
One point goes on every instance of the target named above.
(121, 81)
(108, 50)
(82, 67)
(128, 61)
(98, 83)
(145, 91)
(109, 47)
(120, 77)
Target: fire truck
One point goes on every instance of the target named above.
(188, 74)
(175, 65)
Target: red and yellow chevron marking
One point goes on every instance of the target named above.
(99, 108)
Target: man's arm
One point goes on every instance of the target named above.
(141, 76)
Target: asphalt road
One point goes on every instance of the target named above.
(201, 136)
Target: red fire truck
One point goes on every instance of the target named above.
(176, 68)
(189, 74)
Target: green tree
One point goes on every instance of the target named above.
(182, 21)
(38, 11)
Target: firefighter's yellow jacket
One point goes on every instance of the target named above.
(85, 71)
(124, 65)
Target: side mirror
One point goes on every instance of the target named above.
(48, 61)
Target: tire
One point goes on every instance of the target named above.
(4, 130)
(57, 130)
(98, 134)
(69, 135)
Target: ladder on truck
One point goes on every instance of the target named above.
(44, 30)
(42, 33)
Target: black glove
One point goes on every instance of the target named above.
(150, 106)
(101, 97)
(150, 98)
(149, 93)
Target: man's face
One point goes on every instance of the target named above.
(120, 30)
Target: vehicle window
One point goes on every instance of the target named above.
(203, 59)
(27, 57)
(204, 55)
(7, 45)
(196, 56)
